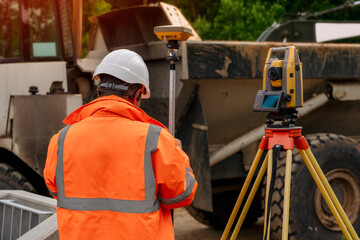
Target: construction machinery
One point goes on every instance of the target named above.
(216, 84)
(36, 61)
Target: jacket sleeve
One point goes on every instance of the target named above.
(50, 166)
(175, 178)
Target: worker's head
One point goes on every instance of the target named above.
(123, 73)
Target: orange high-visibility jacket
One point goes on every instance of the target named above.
(116, 173)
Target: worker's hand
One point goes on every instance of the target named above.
(179, 143)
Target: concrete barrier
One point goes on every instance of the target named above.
(27, 216)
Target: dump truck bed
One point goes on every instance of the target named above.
(230, 73)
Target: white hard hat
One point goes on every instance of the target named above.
(127, 66)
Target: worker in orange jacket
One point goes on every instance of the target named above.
(115, 171)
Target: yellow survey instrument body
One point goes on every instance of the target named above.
(290, 79)
(282, 81)
(172, 32)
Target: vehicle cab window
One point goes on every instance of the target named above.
(29, 31)
(10, 46)
(42, 29)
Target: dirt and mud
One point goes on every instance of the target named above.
(187, 228)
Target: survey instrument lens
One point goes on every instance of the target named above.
(275, 73)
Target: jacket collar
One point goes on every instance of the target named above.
(110, 104)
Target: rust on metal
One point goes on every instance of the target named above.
(135, 24)
(325, 61)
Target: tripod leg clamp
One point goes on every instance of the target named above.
(301, 143)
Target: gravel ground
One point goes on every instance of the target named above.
(187, 228)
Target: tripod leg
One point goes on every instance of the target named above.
(242, 193)
(249, 199)
(275, 151)
(331, 194)
(268, 180)
(325, 194)
(286, 207)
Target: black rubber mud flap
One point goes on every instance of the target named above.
(192, 132)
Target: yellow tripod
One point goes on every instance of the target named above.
(276, 139)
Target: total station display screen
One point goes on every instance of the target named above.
(270, 101)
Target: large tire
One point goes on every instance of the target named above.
(223, 204)
(13, 180)
(310, 217)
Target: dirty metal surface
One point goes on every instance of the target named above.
(214, 60)
(35, 120)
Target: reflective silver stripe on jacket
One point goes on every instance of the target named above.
(59, 164)
(150, 204)
(190, 182)
(150, 147)
(52, 193)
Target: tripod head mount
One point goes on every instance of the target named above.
(283, 119)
